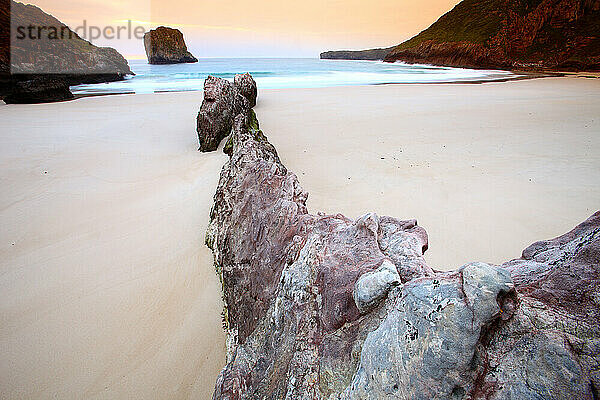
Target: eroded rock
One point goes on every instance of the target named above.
(326, 307)
(223, 101)
(247, 86)
(425, 346)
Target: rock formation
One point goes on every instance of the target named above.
(166, 46)
(42, 69)
(371, 54)
(223, 101)
(325, 307)
(510, 34)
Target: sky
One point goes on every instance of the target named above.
(258, 28)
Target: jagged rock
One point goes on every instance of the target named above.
(325, 307)
(286, 267)
(222, 102)
(424, 347)
(247, 86)
(166, 46)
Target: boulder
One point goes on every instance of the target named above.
(167, 46)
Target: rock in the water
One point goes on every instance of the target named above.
(371, 54)
(325, 307)
(167, 46)
(223, 101)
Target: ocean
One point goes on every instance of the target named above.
(279, 73)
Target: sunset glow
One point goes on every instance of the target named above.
(265, 28)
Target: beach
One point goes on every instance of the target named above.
(106, 287)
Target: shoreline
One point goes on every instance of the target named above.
(524, 76)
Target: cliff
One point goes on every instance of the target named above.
(325, 307)
(43, 67)
(166, 46)
(510, 34)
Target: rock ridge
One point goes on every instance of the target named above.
(325, 307)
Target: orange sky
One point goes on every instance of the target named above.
(260, 28)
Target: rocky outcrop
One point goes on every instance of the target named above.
(511, 34)
(37, 67)
(532, 35)
(39, 90)
(223, 101)
(371, 54)
(166, 46)
(325, 307)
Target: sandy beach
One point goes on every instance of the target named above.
(106, 287)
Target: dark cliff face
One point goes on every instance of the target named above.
(166, 46)
(510, 34)
(42, 69)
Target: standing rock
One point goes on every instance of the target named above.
(166, 46)
(247, 86)
(222, 102)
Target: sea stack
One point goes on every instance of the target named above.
(167, 46)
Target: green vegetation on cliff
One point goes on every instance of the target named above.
(506, 34)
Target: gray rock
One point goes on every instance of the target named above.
(374, 286)
(425, 346)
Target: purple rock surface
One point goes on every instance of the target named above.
(326, 307)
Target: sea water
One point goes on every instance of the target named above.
(279, 73)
